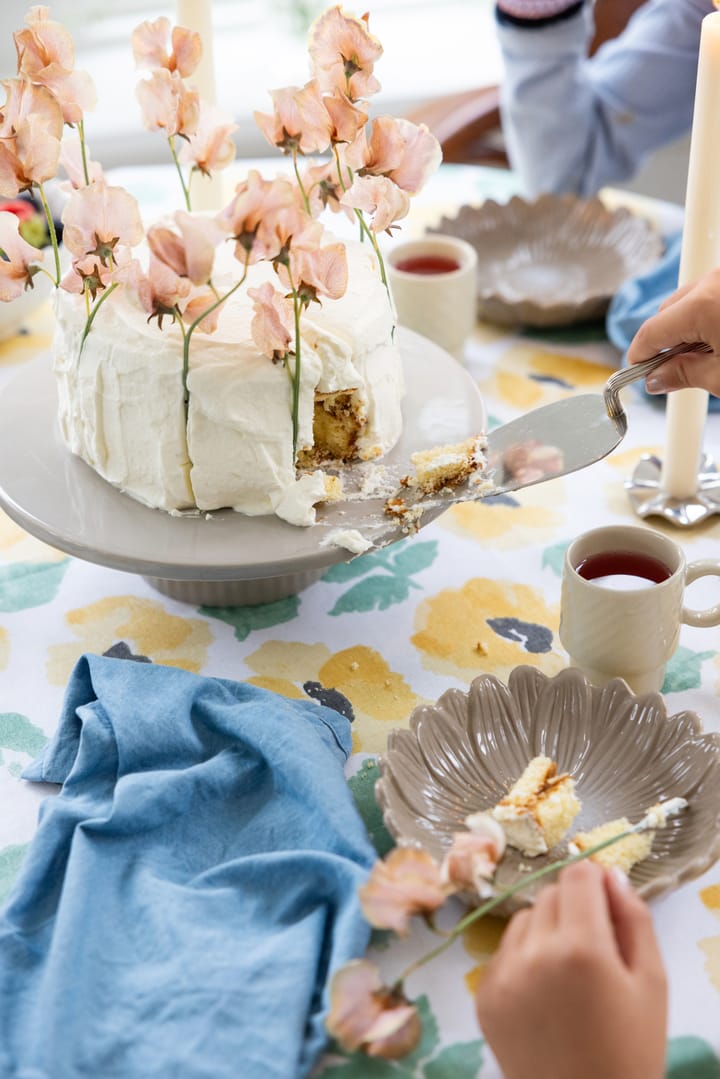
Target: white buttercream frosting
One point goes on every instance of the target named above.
(121, 402)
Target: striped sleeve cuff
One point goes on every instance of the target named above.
(536, 13)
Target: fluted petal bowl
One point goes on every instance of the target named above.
(462, 754)
(553, 261)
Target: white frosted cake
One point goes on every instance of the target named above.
(122, 410)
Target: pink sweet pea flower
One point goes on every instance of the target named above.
(159, 292)
(150, 41)
(299, 121)
(19, 261)
(406, 153)
(343, 53)
(192, 252)
(71, 162)
(261, 216)
(316, 270)
(379, 196)
(201, 300)
(346, 118)
(405, 883)
(98, 219)
(46, 56)
(90, 275)
(367, 1015)
(324, 189)
(31, 126)
(471, 861)
(272, 325)
(211, 147)
(167, 104)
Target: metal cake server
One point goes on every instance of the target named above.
(581, 430)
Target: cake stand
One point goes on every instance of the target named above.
(222, 558)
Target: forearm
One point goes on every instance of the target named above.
(575, 124)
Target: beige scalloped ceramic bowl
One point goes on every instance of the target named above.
(624, 751)
(553, 261)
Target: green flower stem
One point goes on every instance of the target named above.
(185, 191)
(306, 200)
(51, 230)
(93, 313)
(485, 908)
(83, 151)
(188, 334)
(296, 376)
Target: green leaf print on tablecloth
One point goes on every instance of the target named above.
(428, 1061)
(362, 785)
(30, 584)
(10, 862)
(691, 1058)
(683, 670)
(245, 619)
(553, 557)
(391, 585)
(18, 734)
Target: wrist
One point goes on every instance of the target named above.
(536, 13)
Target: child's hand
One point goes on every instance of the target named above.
(577, 987)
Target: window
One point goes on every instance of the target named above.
(431, 47)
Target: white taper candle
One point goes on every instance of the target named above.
(687, 409)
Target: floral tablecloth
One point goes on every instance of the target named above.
(476, 591)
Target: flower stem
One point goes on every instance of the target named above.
(306, 200)
(496, 900)
(83, 151)
(185, 191)
(187, 334)
(296, 374)
(93, 313)
(51, 230)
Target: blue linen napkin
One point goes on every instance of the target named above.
(189, 890)
(639, 298)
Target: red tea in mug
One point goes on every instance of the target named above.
(623, 569)
(427, 264)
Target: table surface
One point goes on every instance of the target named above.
(389, 631)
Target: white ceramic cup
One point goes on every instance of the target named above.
(610, 631)
(439, 305)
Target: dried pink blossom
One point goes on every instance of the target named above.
(317, 270)
(31, 126)
(367, 1015)
(405, 152)
(154, 46)
(347, 119)
(46, 56)
(343, 53)
(98, 220)
(189, 252)
(168, 104)
(471, 861)
(379, 196)
(19, 261)
(160, 292)
(211, 147)
(299, 120)
(272, 324)
(261, 216)
(405, 883)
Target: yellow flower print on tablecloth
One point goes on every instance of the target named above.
(4, 648)
(20, 348)
(17, 545)
(526, 517)
(527, 376)
(480, 940)
(380, 698)
(488, 626)
(711, 945)
(143, 624)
